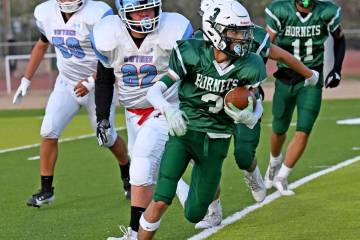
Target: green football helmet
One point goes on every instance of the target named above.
(305, 3)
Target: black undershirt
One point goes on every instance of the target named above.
(43, 38)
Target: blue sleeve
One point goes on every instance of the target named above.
(109, 12)
(100, 56)
(188, 32)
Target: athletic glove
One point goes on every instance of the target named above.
(103, 132)
(176, 119)
(312, 81)
(246, 116)
(21, 91)
(333, 79)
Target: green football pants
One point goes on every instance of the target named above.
(246, 141)
(286, 97)
(208, 155)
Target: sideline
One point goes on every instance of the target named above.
(239, 215)
(60, 141)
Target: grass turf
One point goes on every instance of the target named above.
(90, 201)
(326, 208)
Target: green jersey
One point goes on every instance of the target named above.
(260, 44)
(204, 83)
(304, 36)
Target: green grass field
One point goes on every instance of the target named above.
(90, 204)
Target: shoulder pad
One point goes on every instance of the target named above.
(175, 27)
(44, 10)
(329, 10)
(94, 11)
(189, 50)
(106, 33)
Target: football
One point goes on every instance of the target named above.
(239, 97)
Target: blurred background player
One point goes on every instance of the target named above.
(300, 27)
(246, 140)
(200, 129)
(67, 26)
(134, 50)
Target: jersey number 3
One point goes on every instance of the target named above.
(70, 47)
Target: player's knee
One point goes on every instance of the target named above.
(301, 137)
(196, 213)
(141, 175)
(48, 132)
(244, 155)
(280, 127)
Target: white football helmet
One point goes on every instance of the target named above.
(228, 26)
(70, 6)
(146, 25)
(205, 4)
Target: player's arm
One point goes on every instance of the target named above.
(250, 115)
(174, 116)
(280, 55)
(334, 77)
(37, 54)
(104, 89)
(272, 35)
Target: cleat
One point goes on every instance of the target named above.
(127, 187)
(281, 184)
(40, 198)
(270, 174)
(210, 220)
(128, 234)
(256, 184)
(213, 218)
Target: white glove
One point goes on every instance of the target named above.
(176, 119)
(312, 81)
(21, 91)
(246, 116)
(89, 84)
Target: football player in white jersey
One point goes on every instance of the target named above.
(134, 49)
(67, 26)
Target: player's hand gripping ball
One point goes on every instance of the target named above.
(238, 97)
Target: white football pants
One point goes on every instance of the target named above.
(63, 105)
(146, 144)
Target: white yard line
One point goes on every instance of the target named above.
(61, 140)
(239, 215)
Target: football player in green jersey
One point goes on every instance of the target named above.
(204, 71)
(246, 140)
(300, 27)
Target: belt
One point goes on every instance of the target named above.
(143, 112)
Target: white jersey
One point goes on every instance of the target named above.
(137, 69)
(76, 59)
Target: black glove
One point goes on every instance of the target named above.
(103, 132)
(333, 79)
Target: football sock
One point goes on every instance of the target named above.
(136, 213)
(124, 170)
(46, 183)
(284, 171)
(275, 160)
